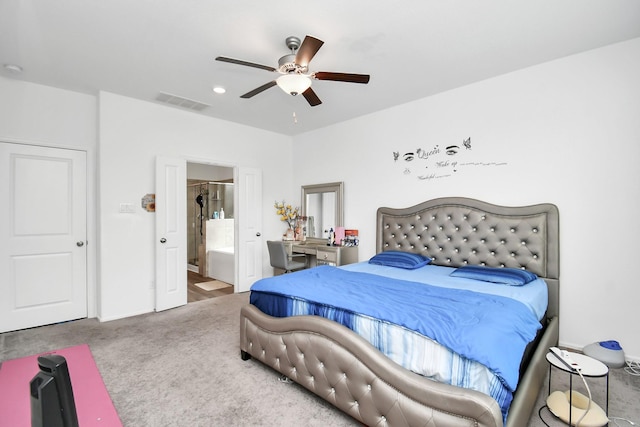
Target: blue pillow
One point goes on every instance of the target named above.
(400, 259)
(503, 275)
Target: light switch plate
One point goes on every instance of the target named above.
(126, 208)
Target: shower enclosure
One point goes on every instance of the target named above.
(205, 199)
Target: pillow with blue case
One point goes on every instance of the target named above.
(502, 275)
(400, 259)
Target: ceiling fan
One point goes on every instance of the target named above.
(294, 69)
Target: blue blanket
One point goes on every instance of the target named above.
(491, 330)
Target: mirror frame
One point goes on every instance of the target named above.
(332, 187)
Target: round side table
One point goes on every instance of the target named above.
(591, 368)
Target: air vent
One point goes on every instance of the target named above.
(179, 101)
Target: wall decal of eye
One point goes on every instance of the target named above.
(396, 154)
(452, 149)
(408, 157)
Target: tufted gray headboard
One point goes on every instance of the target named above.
(456, 231)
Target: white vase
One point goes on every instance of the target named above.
(289, 234)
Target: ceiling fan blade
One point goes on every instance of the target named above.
(308, 49)
(342, 77)
(259, 89)
(245, 63)
(311, 97)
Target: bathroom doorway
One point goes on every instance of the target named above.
(210, 231)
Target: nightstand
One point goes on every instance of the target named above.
(591, 368)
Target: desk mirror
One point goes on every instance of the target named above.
(322, 205)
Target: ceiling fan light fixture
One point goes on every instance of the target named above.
(294, 84)
(295, 76)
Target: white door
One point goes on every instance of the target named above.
(249, 209)
(43, 257)
(171, 233)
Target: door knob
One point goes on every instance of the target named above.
(163, 240)
(80, 244)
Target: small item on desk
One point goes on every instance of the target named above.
(215, 215)
(330, 239)
(289, 234)
(351, 238)
(339, 236)
(221, 213)
(301, 228)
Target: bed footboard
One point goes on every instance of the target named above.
(341, 367)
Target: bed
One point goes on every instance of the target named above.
(345, 369)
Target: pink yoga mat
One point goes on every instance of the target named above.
(93, 404)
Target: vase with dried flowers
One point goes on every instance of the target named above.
(288, 214)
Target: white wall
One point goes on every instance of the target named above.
(132, 133)
(209, 172)
(568, 132)
(42, 115)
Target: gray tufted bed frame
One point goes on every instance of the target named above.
(344, 369)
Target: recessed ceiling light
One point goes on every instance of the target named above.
(13, 68)
(219, 89)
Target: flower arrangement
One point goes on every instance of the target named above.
(287, 213)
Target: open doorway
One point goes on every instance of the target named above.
(210, 231)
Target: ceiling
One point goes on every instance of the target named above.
(412, 49)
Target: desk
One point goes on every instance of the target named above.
(321, 254)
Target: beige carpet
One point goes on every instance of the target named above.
(182, 367)
(213, 285)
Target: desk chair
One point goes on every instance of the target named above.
(281, 259)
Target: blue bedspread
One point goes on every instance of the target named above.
(489, 329)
